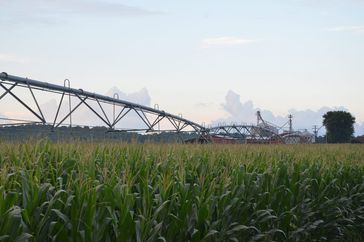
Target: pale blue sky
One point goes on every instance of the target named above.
(282, 54)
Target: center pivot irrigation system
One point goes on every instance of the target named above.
(112, 111)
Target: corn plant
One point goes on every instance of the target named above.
(82, 191)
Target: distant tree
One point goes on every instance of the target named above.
(339, 126)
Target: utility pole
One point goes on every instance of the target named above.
(316, 130)
(290, 123)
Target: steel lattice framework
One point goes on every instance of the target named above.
(245, 133)
(150, 117)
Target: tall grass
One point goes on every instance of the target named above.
(123, 192)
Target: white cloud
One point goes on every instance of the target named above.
(359, 128)
(352, 29)
(140, 97)
(227, 41)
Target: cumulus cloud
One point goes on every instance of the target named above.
(359, 128)
(227, 41)
(245, 112)
(352, 29)
(141, 97)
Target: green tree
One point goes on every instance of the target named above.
(339, 126)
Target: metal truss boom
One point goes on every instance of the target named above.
(10, 82)
(245, 133)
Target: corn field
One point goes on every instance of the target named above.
(148, 192)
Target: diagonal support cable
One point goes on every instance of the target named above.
(184, 126)
(240, 133)
(36, 102)
(117, 120)
(59, 107)
(145, 116)
(117, 117)
(174, 125)
(24, 104)
(145, 122)
(250, 132)
(157, 121)
(98, 115)
(103, 111)
(79, 104)
(7, 91)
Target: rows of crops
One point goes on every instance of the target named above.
(121, 192)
